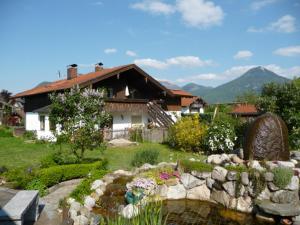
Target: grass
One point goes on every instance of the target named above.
(16, 152)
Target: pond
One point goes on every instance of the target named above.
(178, 212)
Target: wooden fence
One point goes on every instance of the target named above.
(157, 135)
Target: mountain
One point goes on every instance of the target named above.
(252, 80)
(43, 83)
(169, 85)
(196, 89)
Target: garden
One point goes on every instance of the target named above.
(201, 166)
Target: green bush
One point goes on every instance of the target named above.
(187, 134)
(84, 188)
(145, 156)
(136, 134)
(282, 176)
(5, 132)
(20, 177)
(189, 166)
(29, 135)
(36, 184)
(48, 161)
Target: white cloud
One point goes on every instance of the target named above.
(110, 50)
(154, 7)
(152, 63)
(182, 61)
(200, 13)
(285, 24)
(288, 51)
(130, 53)
(243, 54)
(257, 5)
(194, 13)
(188, 61)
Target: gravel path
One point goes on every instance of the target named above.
(50, 214)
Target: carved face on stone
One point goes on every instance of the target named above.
(267, 139)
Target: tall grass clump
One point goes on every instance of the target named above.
(282, 176)
(150, 214)
(148, 155)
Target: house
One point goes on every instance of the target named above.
(245, 111)
(134, 98)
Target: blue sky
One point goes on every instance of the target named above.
(201, 41)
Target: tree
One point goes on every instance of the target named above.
(250, 97)
(79, 115)
(284, 100)
(5, 96)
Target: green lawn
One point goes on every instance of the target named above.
(15, 152)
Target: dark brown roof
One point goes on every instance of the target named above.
(85, 79)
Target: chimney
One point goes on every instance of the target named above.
(98, 66)
(72, 71)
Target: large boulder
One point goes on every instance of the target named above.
(199, 193)
(189, 181)
(176, 192)
(288, 209)
(267, 139)
(219, 174)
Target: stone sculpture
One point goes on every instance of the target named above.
(267, 139)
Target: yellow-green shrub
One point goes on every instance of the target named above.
(187, 134)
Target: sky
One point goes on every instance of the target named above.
(207, 42)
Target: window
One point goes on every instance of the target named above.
(110, 92)
(42, 122)
(136, 120)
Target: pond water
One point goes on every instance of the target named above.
(178, 212)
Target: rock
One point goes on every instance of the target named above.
(72, 214)
(219, 173)
(239, 152)
(296, 220)
(231, 175)
(123, 173)
(162, 191)
(176, 192)
(165, 164)
(171, 182)
(285, 164)
(244, 204)
(147, 166)
(271, 165)
(237, 160)
(242, 191)
(96, 184)
(214, 159)
(89, 202)
(295, 155)
(95, 219)
(221, 197)
(269, 176)
(81, 220)
(121, 142)
(272, 186)
(295, 162)
(283, 196)
(289, 209)
(130, 211)
(199, 193)
(255, 165)
(225, 158)
(229, 187)
(108, 179)
(294, 184)
(70, 201)
(95, 196)
(264, 195)
(267, 139)
(210, 182)
(264, 217)
(218, 185)
(245, 178)
(75, 206)
(189, 181)
(201, 175)
(85, 212)
(99, 192)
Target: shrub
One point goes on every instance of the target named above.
(3, 169)
(282, 176)
(189, 166)
(5, 132)
(36, 184)
(220, 137)
(187, 134)
(145, 156)
(258, 180)
(29, 135)
(136, 134)
(48, 161)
